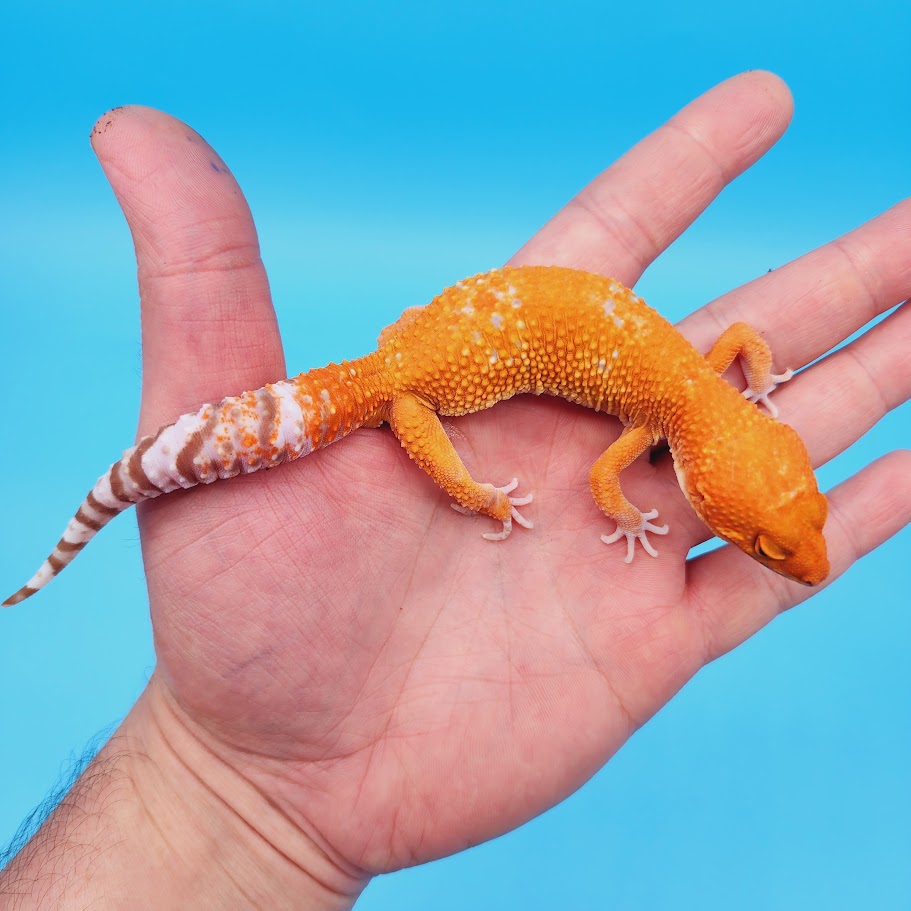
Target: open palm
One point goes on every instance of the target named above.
(398, 686)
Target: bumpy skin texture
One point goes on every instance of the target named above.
(532, 329)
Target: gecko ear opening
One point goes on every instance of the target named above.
(769, 548)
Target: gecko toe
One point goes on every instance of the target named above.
(514, 513)
(499, 535)
(761, 396)
(638, 534)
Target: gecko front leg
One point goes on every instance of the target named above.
(632, 523)
(743, 341)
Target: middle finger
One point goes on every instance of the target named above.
(813, 303)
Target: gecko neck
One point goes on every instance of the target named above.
(692, 423)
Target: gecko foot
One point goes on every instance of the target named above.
(513, 512)
(640, 534)
(763, 396)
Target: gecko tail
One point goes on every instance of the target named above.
(90, 518)
(259, 429)
(124, 484)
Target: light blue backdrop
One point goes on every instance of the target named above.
(400, 146)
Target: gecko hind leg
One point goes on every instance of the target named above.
(743, 341)
(418, 429)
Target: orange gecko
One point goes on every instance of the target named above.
(532, 329)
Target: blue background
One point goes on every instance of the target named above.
(399, 147)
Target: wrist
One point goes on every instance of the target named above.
(158, 820)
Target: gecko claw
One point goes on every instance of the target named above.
(638, 534)
(513, 512)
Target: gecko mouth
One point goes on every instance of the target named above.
(809, 580)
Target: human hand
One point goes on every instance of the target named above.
(393, 687)
(478, 684)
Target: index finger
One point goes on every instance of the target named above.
(631, 212)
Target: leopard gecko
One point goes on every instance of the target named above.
(529, 329)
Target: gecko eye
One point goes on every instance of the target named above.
(767, 547)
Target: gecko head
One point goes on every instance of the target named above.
(755, 488)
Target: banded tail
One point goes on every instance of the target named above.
(241, 434)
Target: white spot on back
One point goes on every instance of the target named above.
(615, 353)
(497, 320)
(609, 305)
(467, 310)
(617, 321)
(494, 357)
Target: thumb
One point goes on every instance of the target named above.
(208, 327)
